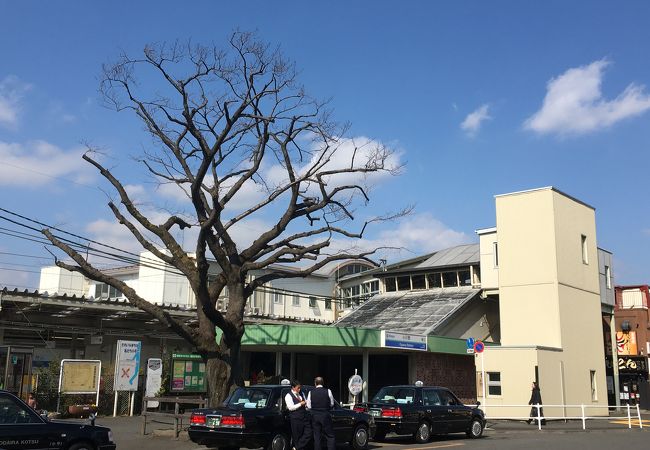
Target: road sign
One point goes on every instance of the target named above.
(127, 365)
(355, 384)
(470, 345)
(479, 346)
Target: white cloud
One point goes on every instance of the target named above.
(38, 163)
(112, 233)
(472, 123)
(12, 90)
(574, 103)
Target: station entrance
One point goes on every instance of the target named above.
(16, 370)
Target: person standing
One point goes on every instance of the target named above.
(297, 406)
(536, 399)
(320, 401)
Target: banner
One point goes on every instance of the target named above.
(626, 343)
(127, 365)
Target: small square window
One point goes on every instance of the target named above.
(608, 277)
(494, 383)
(404, 283)
(312, 302)
(434, 280)
(390, 284)
(328, 303)
(594, 390)
(449, 279)
(418, 282)
(295, 301)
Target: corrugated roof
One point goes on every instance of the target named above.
(416, 312)
(454, 256)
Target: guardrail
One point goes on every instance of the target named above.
(539, 418)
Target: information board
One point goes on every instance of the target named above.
(79, 376)
(188, 373)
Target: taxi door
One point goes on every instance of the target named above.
(434, 411)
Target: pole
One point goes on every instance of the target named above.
(131, 402)
(617, 384)
(638, 414)
(115, 405)
(629, 417)
(484, 383)
(539, 417)
(582, 408)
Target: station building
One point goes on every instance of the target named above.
(530, 288)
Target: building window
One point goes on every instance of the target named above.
(449, 279)
(494, 384)
(585, 253)
(390, 284)
(312, 302)
(103, 290)
(404, 283)
(594, 390)
(418, 282)
(277, 298)
(608, 277)
(464, 278)
(495, 248)
(295, 301)
(434, 280)
(328, 303)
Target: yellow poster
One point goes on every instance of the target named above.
(626, 343)
(79, 377)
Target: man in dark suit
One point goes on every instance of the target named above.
(320, 401)
(298, 416)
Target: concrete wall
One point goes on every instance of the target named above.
(55, 280)
(479, 320)
(605, 259)
(455, 372)
(489, 270)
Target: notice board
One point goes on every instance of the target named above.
(188, 373)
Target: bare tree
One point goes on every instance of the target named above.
(220, 119)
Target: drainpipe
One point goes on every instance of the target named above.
(617, 387)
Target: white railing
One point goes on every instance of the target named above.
(539, 418)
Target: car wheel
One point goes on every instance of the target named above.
(279, 441)
(475, 429)
(82, 446)
(360, 438)
(423, 434)
(380, 436)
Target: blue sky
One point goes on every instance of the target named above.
(479, 98)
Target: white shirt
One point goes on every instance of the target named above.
(329, 394)
(290, 401)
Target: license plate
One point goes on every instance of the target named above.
(214, 421)
(375, 413)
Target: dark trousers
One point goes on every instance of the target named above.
(300, 430)
(322, 423)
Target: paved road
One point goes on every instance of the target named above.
(603, 435)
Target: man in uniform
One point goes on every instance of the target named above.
(298, 417)
(320, 401)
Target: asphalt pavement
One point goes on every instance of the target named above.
(502, 435)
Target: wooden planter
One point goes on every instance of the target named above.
(81, 410)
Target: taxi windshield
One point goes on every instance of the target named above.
(249, 398)
(395, 395)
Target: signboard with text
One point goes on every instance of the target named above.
(79, 376)
(127, 365)
(403, 341)
(154, 380)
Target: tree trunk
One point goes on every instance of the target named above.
(223, 375)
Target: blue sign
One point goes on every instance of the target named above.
(479, 347)
(470, 343)
(393, 339)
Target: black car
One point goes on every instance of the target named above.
(422, 411)
(256, 416)
(23, 428)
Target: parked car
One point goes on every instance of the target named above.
(422, 411)
(23, 428)
(256, 416)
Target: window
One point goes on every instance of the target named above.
(103, 290)
(608, 277)
(495, 247)
(312, 302)
(449, 279)
(404, 283)
(395, 395)
(585, 253)
(328, 303)
(447, 398)
(295, 301)
(390, 284)
(464, 278)
(418, 282)
(12, 412)
(494, 383)
(277, 297)
(434, 280)
(594, 391)
(430, 397)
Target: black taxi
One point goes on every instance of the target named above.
(256, 417)
(422, 411)
(23, 428)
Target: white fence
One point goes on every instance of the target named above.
(633, 413)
